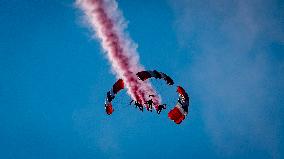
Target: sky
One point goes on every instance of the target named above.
(229, 56)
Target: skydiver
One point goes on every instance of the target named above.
(139, 105)
(150, 104)
(160, 107)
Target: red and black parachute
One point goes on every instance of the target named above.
(144, 75)
(177, 114)
(181, 109)
(119, 85)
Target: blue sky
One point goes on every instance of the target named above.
(227, 54)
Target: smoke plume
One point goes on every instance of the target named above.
(108, 23)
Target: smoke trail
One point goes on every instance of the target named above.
(108, 23)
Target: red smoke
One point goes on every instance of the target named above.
(108, 23)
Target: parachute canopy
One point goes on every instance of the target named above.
(144, 75)
(177, 114)
(119, 85)
(181, 109)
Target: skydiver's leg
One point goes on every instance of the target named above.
(159, 111)
(131, 102)
(151, 106)
(147, 107)
(136, 104)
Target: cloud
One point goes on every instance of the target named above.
(235, 73)
(97, 133)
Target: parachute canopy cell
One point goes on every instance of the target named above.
(119, 85)
(144, 75)
(176, 115)
(109, 109)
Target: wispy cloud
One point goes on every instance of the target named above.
(97, 133)
(235, 73)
